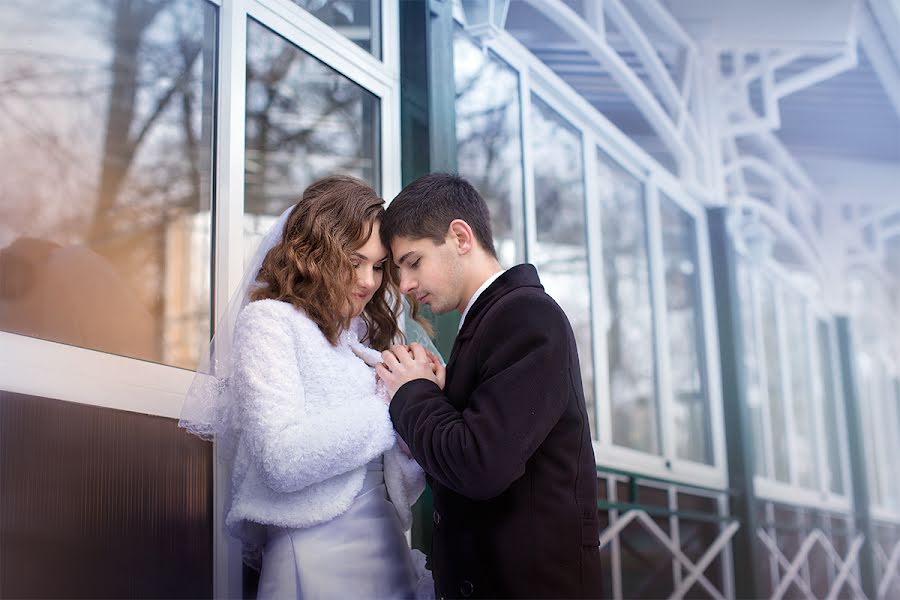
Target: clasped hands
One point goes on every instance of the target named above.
(402, 364)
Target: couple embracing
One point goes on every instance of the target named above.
(332, 421)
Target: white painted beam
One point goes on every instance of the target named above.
(886, 65)
(567, 19)
(808, 25)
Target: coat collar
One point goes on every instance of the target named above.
(520, 276)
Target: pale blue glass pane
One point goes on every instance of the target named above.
(489, 141)
(304, 121)
(754, 391)
(357, 20)
(560, 253)
(834, 441)
(802, 442)
(629, 332)
(774, 375)
(684, 318)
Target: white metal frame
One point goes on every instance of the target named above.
(65, 372)
(890, 568)
(671, 119)
(380, 77)
(598, 133)
(788, 573)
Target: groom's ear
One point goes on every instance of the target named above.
(460, 235)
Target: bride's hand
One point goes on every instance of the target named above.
(439, 370)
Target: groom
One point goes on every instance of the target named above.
(506, 443)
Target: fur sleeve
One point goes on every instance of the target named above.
(405, 481)
(291, 449)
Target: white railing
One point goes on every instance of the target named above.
(694, 570)
(889, 569)
(789, 572)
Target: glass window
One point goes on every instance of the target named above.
(357, 20)
(875, 353)
(304, 121)
(870, 391)
(106, 144)
(834, 441)
(777, 417)
(629, 331)
(684, 317)
(801, 441)
(754, 390)
(488, 138)
(561, 249)
(891, 448)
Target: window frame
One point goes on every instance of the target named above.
(99, 378)
(59, 371)
(814, 311)
(881, 414)
(598, 133)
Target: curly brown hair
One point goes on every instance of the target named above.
(310, 266)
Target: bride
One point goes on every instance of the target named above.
(321, 490)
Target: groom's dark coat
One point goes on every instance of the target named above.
(507, 450)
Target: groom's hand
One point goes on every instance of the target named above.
(402, 365)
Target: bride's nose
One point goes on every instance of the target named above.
(365, 278)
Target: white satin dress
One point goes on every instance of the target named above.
(360, 554)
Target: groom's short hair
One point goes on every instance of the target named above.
(426, 207)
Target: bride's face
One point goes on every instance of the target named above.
(368, 265)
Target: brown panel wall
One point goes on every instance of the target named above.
(101, 503)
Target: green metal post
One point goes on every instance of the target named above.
(748, 573)
(858, 467)
(428, 143)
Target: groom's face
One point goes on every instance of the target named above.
(429, 272)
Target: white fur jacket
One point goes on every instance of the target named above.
(312, 417)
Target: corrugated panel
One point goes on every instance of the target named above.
(100, 503)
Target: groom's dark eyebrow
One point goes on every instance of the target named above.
(405, 257)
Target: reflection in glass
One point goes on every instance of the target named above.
(106, 141)
(629, 331)
(755, 393)
(772, 353)
(870, 390)
(304, 121)
(894, 400)
(693, 438)
(357, 20)
(561, 249)
(891, 442)
(834, 440)
(801, 440)
(488, 139)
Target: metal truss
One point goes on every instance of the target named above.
(791, 569)
(709, 103)
(694, 570)
(762, 177)
(667, 100)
